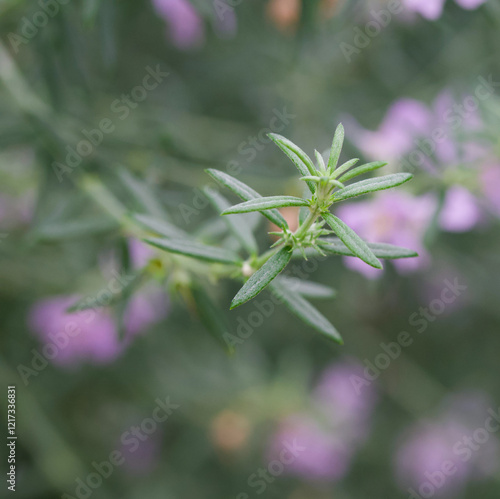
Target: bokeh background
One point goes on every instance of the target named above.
(415, 84)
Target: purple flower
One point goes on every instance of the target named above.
(146, 307)
(490, 185)
(405, 120)
(432, 9)
(343, 400)
(226, 23)
(322, 455)
(332, 433)
(140, 253)
(424, 452)
(395, 218)
(185, 25)
(92, 335)
(142, 456)
(87, 336)
(460, 212)
(431, 447)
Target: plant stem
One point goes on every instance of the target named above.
(308, 222)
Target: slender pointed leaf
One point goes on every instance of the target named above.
(335, 246)
(194, 249)
(298, 157)
(246, 193)
(74, 229)
(307, 289)
(258, 281)
(352, 240)
(266, 204)
(320, 161)
(237, 224)
(372, 185)
(211, 316)
(142, 193)
(360, 170)
(338, 142)
(343, 168)
(305, 311)
(159, 226)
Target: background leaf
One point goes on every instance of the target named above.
(237, 224)
(195, 250)
(305, 311)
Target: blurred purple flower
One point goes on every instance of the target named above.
(490, 184)
(85, 336)
(324, 456)
(91, 335)
(429, 445)
(226, 23)
(424, 451)
(460, 212)
(142, 456)
(395, 218)
(146, 307)
(341, 421)
(405, 120)
(185, 24)
(343, 401)
(140, 253)
(432, 9)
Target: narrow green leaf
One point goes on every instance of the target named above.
(258, 281)
(352, 240)
(320, 161)
(246, 193)
(305, 311)
(298, 157)
(143, 194)
(74, 229)
(93, 301)
(159, 226)
(372, 185)
(211, 316)
(338, 142)
(335, 246)
(307, 289)
(237, 224)
(343, 168)
(266, 204)
(194, 249)
(360, 170)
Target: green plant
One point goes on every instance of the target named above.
(326, 184)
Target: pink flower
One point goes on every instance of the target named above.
(87, 336)
(185, 25)
(490, 185)
(405, 120)
(428, 448)
(432, 9)
(460, 212)
(391, 217)
(320, 454)
(331, 434)
(92, 335)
